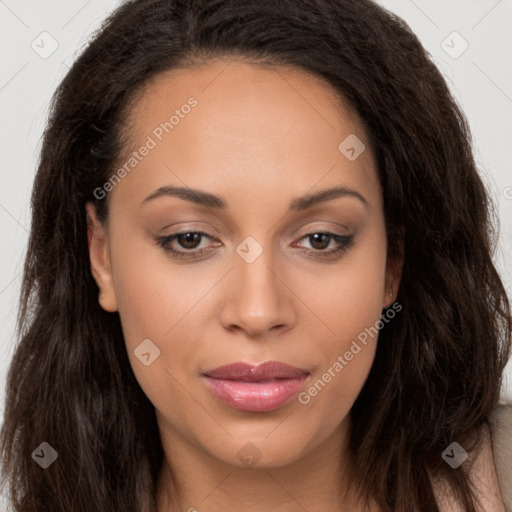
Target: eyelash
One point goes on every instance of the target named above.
(344, 242)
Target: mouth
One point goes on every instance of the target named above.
(255, 388)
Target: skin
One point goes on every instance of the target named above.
(259, 138)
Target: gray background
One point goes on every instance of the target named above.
(480, 77)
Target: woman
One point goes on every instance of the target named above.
(259, 274)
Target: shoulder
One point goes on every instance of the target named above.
(490, 468)
(501, 439)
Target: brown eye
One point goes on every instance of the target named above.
(320, 241)
(187, 240)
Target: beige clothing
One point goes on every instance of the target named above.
(492, 469)
(501, 433)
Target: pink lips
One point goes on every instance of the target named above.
(255, 388)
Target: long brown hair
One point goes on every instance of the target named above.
(438, 367)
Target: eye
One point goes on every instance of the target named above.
(320, 241)
(189, 241)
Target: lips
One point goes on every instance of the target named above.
(255, 388)
(252, 373)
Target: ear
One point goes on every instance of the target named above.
(100, 259)
(394, 267)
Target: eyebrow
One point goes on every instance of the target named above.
(212, 201)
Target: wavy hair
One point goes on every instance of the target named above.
(437, 372)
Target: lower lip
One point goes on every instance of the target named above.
(255, 396)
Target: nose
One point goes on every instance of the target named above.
(259, 299)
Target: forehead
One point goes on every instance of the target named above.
(274, 126)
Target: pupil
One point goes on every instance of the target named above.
(317, 238)
(190, 240)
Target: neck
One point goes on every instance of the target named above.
(192, 480)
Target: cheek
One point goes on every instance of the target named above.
(157, 302)
(350, 305)
(153, 295)
(349, 296)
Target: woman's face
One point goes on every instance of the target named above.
(256, 152)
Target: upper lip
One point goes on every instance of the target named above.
(254, 372)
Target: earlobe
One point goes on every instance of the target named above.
(393, 278)
(100, 260)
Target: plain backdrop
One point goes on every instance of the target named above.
(470, 40)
